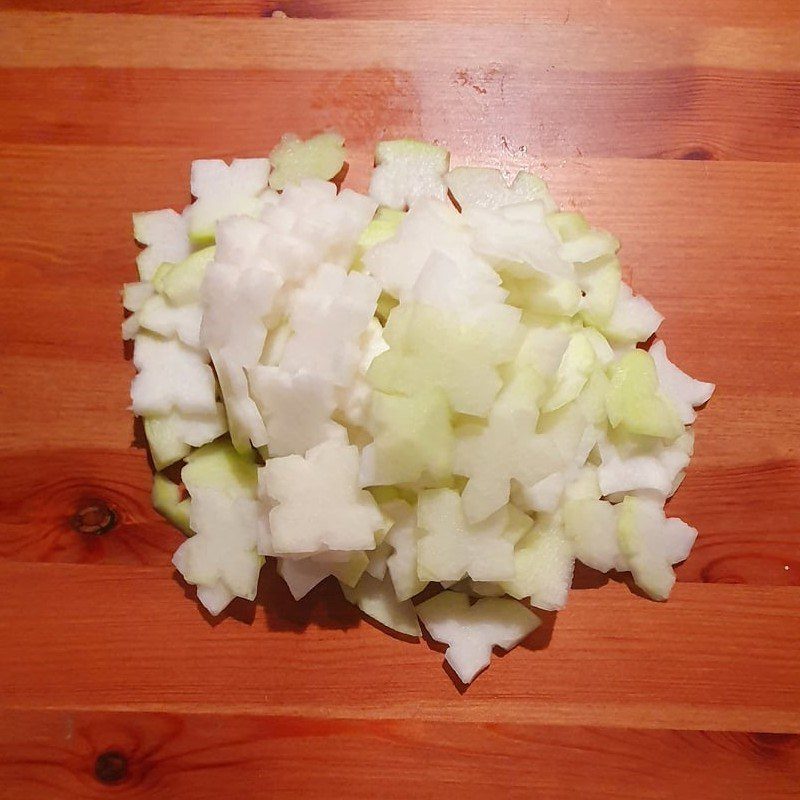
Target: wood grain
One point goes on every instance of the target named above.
(135, 642)
(676, 125)
(630, 12)
(181, 755)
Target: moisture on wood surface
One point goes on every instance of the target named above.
(675, 125)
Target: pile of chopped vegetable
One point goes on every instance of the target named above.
(404, 392)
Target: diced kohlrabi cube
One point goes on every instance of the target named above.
(297, 408)
(407, 170)
(221, 558)
(318, 503)
(487, 188)
(158, 315)
(589, 246)
(521, 248)
(652, 544)
(172, 377)
(492, 456)
(328, 317)
(684, 392)
(413, 436)
(224, 190)
(471, 631)
(591, 526)
(430, 348)
(294, 159)
(171, 436)
(167, 500)
(576, 365)
(180, 283)
(631, 463)
(134, 295)
(543, 565)
(219, 466)
(166, 238)
(634, 401)
(633, 319)
(452, 548)
(403, 537)
(377, 599)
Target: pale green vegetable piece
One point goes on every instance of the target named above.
(403, 537)
(591, 525)
(634, 401)
(452, 548)
(172, 436)
(413, 437)
(180, 283)
(377, 599)
(166, 499)
(652, 544)
(487, 188)
(589, 246)
(600, 282)
(576, 365)
(429, 348)
(544, 294)
(543, 565)
(567, 225)
(218, 465)
(294, 159)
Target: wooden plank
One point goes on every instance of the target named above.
(61, 753)
(682, 112)
(644, 12)
(716, 657)
(746, 515)
(44, 40)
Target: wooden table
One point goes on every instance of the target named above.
(676, 125)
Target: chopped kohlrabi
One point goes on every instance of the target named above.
(404, 391)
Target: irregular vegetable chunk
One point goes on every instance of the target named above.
(470, 632)
(293, 159)
(407, 170)
(452, 548)
(319, 505)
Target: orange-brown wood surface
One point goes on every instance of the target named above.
(676, 125)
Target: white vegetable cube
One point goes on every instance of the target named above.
(318, 503)
(166, 238)
(470, 632)
(172, 377)
(487, 188)
(452, 548)
(407, 170)
(224, 190)
(684, 392)
(297, 408)
(652, 544)
(328, 317)
(222, 553)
